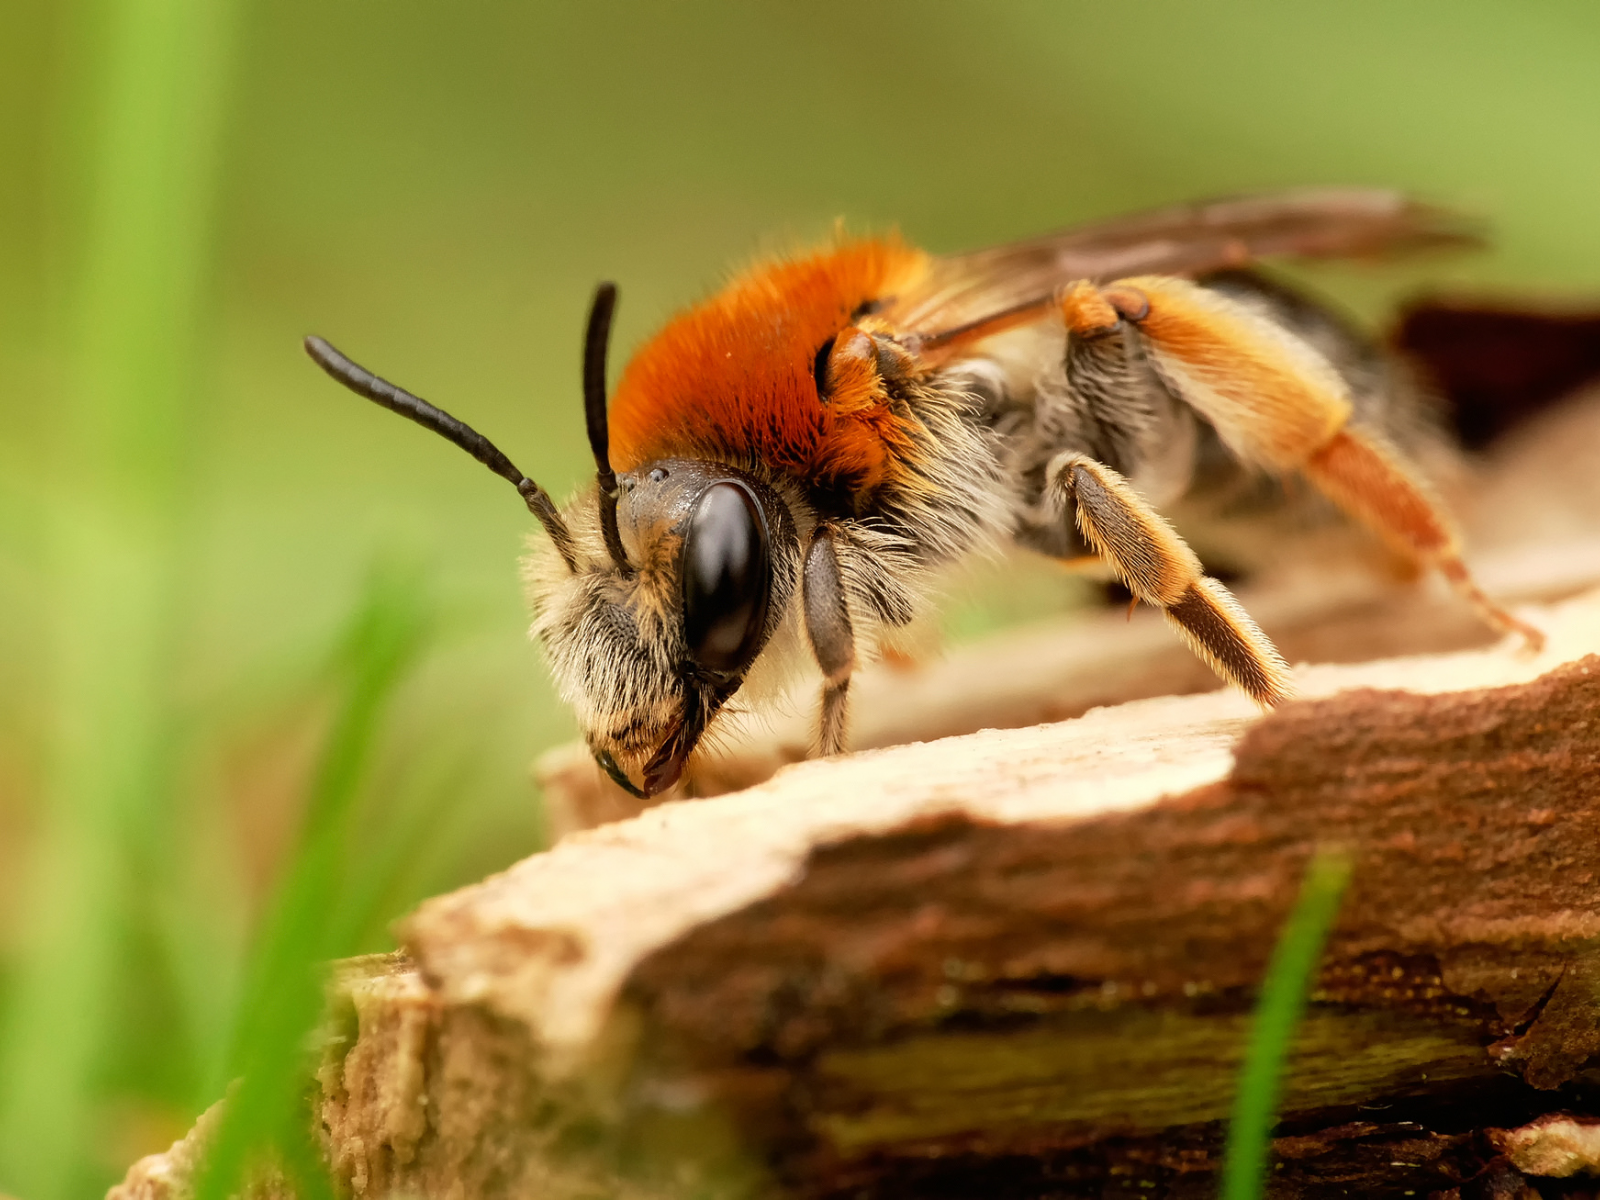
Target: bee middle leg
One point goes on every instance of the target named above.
(827, 617)
(1159, 568)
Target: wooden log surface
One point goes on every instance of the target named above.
(1021, 961)
(973, 963)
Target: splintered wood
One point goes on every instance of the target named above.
(996, 964)
(981, 963)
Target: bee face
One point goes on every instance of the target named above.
(647, 656)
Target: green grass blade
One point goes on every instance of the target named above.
(309, 920)
(1277, 1016)
(130, 336)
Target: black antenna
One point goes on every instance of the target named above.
(595, 342)
(396, 399)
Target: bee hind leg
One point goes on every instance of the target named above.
(1366, 479)
(1279, 404)
(1159, 568)
(827, 617)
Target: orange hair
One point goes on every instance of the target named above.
(733, 379)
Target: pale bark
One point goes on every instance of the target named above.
(977, 965)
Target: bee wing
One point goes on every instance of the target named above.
(966, 293)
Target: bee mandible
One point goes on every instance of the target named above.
(786, 466)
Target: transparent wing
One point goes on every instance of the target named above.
(1002, 286)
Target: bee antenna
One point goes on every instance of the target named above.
(596, 341)
(396, 399)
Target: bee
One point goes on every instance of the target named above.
(784, 468)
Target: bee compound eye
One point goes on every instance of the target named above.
(727, 579)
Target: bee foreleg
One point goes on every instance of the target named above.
(1159, 568)
(827, 617)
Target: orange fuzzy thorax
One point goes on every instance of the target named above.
(732, 379)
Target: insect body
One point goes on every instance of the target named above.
(784, 467)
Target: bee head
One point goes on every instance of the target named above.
(648, 651)
(654, 592)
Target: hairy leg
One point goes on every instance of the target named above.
(1159, 568)
(1367, 479)
(827, 617)
(1279, 404)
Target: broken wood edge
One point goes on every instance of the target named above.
(525, 1020)
(174, 1172)
(1389, 1025)
(549, 942)
(1555, 1146)
(975, 1007)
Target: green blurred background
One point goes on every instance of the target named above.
(193, 520)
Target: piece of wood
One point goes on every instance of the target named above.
(1002, 963)
(173, 1172)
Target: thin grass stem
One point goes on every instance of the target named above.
(1278, 1013)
